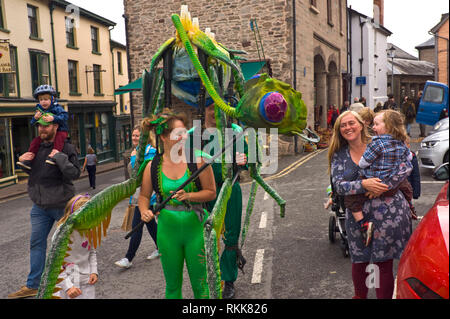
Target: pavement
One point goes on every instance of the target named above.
(21, 187)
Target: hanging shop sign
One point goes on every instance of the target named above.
(5, 59)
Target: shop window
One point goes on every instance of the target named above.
(8, 81)
(102, 132)
(40, 68)
(74, 125)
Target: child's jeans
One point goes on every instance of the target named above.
(58, 143)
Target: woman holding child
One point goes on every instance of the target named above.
(390, 214)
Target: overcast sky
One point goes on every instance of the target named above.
(408, 20)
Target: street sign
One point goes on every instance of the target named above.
(360, 80)
(5, 61)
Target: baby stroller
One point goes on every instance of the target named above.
(336, 223)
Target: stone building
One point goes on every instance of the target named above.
(304, 41)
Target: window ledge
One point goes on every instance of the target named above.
(314, 9)
(71, 47)
(32, 37)
(99, 94)
(4, 30)
(74, 94)
(97, 53)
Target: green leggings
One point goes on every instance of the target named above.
(180, 237)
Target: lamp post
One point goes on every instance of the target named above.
(391, 54)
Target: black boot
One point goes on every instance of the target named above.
(228, 290)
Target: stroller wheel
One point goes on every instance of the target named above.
(332, 229)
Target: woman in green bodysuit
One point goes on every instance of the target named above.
(180, 230)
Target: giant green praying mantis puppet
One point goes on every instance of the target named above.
(196, 59)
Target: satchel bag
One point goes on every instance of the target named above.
(128, 218)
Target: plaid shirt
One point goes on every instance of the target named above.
(384, 155)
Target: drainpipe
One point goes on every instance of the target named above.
(52, 7)
(294, 61)
(361, 59)
(112, 61)
(127, 36)
(349, 50)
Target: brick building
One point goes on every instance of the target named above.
(308, 39)
(440, 32)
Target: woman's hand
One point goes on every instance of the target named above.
(374, 186)
(147, 216)
(181, 195)
(241, 159)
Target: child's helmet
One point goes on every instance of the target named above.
(44, 89)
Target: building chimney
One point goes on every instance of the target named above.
(378, 11)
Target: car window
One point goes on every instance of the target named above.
(434, 94)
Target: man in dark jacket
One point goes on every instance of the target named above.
(49, 187)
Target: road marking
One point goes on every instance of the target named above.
(263, 221)
(258, 266)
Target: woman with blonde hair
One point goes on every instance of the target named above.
(390, 214)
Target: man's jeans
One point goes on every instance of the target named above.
(42, 221)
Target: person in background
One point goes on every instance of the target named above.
(414, 178)
(152, 227)
(367, 115)
(345, 106)
(356, 106)
(422, 127)
(378, 107)
(90, 163)
(390, 103)
(409, 113)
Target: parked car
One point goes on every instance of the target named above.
(434, 149)
(433, 105)
(424, 265)
(442, 125)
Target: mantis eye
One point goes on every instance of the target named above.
(273, 107)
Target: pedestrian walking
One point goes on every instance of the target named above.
(356, 106)
(90, 163)
(79, 273)
(409, 112)
(136, 237)
(391, 214)
(49, 188)
(390, 103)
(422, 127)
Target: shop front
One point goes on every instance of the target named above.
(92, 124)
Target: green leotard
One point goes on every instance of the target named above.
(180, 238)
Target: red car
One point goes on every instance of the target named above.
(423, 269)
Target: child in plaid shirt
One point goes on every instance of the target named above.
(382, 159)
